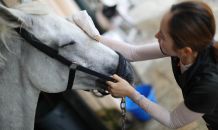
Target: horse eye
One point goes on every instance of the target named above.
(71, 43)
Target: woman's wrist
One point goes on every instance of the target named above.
(130, 91)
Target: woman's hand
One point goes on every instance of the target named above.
(121, 88)
(84, 21)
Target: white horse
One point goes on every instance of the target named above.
(25, 71)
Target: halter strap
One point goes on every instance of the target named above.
(121, 70)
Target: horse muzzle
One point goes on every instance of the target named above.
(124, 69)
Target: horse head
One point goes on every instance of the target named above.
(47, 74)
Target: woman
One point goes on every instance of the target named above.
(187, 35)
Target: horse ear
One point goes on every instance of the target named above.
(11, 17)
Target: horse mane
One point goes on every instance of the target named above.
(34, 7)
(8, 34)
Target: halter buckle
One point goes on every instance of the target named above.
(74, 65)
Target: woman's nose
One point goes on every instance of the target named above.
(157, 34)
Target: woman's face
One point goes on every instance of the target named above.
(163, 36)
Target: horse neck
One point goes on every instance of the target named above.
(18, 98)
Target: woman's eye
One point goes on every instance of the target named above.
(71, 43)
(161, 37)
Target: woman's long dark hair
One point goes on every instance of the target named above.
(193, 25)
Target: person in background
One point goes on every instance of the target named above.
(186, 35)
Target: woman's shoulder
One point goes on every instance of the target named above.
(208, 69)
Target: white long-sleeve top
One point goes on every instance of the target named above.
(181, 115)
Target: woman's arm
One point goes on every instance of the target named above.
(131, 53)
(179, 117)
(134, 53)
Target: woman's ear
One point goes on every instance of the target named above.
(12, 18)
(186, 51)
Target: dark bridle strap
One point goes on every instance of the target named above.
(54, 54)
(76, 66)
(42, 47)
(121, 70)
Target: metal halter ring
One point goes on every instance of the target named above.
(75, 63)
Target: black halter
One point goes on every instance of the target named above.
(121, 70)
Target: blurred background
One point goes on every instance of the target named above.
(132, 21)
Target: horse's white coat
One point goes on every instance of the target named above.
(28, 71)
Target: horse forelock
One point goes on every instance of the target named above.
(35, 7)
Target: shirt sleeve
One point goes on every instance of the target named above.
(134, 53)
(178, 118)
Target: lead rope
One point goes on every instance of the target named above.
(123, 108)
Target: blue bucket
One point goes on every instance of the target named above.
(138, 112)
